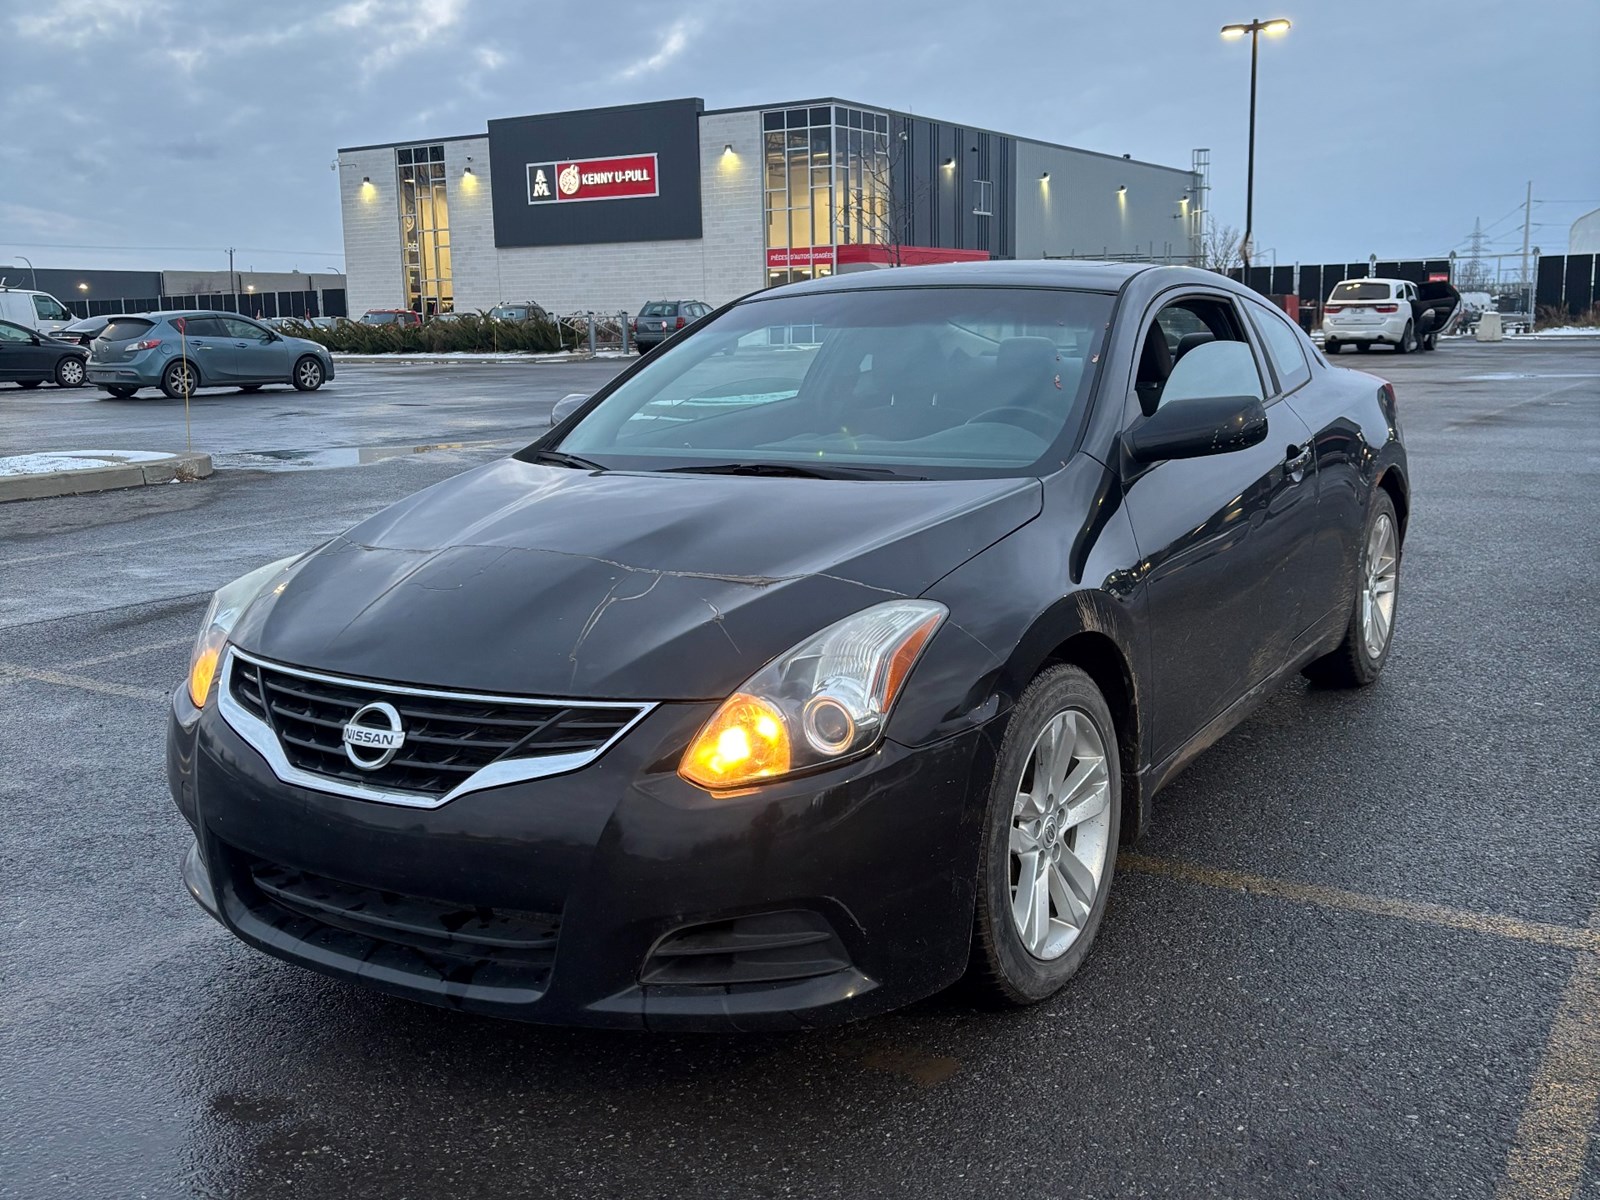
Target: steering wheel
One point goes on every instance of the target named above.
(1031, 419)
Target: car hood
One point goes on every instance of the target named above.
(537, 580)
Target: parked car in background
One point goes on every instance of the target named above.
(1387, 312)
(329, 322)
(33, 310)
(660, 319)
(84, 330)
(29, 358)
(521, 310)
(447, 318)
(181, 352)
(391, 316)
(289, 325)
(783, 684)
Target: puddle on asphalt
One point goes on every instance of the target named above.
(339, 456)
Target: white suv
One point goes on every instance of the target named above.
(1369, 312)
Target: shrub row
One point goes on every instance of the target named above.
(472, 332)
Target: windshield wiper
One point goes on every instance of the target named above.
(561, 458)
(794, 470)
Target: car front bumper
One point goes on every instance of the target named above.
(605, 866)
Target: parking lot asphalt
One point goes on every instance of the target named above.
(1357, 956)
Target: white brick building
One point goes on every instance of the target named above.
(684, 203)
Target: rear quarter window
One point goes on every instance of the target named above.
(126, 329)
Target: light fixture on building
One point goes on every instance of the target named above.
(949, 162)
(466, 170)
(83, 287)
(1044, 177)
(1122, 189)
(727, 148)
(366, 181)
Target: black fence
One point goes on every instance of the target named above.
(1571, 281)
(1568, 281)
(327, 303)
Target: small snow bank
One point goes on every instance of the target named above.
(75, 460)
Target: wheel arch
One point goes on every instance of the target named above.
(1088, 631)
(1394, 483)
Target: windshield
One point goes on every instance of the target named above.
(126, 329)
(922, 381)
(511, 312)
(1362, 291)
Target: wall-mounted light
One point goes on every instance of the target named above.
(727, 148)
(949, 162)
(1044, 177)
(366, 181)
(249, 287)
(1122, 189)
(83, 287)
(466, 171)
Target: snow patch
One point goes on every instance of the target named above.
(75, 460)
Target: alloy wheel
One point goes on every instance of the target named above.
(182, 379)
(1060, 832)
(1380, 577)
(310, 374)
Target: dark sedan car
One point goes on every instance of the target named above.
(84, 330)
(791, 680)
(29, 358)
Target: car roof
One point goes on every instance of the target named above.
(1073, 274)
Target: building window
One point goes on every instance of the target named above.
(982, 198)
(826, 177)
(425, 229)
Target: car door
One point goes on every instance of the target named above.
(259, 355)
(1221, 536)
(205, 340)
(22, 358)
(1321, 399)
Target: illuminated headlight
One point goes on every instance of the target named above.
(227, 606)
(824, 701)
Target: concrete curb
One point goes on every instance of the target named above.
(104, 479)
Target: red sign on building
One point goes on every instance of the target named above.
(800, 256)
(627, 177)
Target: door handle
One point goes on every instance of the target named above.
(1298, 460)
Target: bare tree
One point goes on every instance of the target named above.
(882, 210)
(1219, 247)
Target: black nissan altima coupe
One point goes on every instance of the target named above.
(816, 662)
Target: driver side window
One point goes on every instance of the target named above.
(1195, 347)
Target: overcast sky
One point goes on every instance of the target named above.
(155, 133)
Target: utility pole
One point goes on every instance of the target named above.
(1527, 228)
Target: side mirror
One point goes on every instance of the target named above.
(566, 406)
(1198, 426)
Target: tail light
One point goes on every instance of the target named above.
(1333, 308)
(147, 344)
(1388, 308)
(680, 323)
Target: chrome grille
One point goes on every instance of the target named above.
(449, 736)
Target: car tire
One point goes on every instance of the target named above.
(308, 374)
(1020, 953)
(180, 377)
(120, 392)
(1407, 342)
(1360, 657)
(1331, 348)
(70, 372)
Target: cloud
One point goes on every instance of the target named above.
(673, 45)
(490, 59)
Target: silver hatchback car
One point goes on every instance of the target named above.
(181, 352)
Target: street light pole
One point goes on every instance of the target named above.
(1255, 29)
(31, 272)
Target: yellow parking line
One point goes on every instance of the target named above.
(1564, 937)
(169, 644)
(1558, 1119)
(82, 682)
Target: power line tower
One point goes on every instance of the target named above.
(1474, 278)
